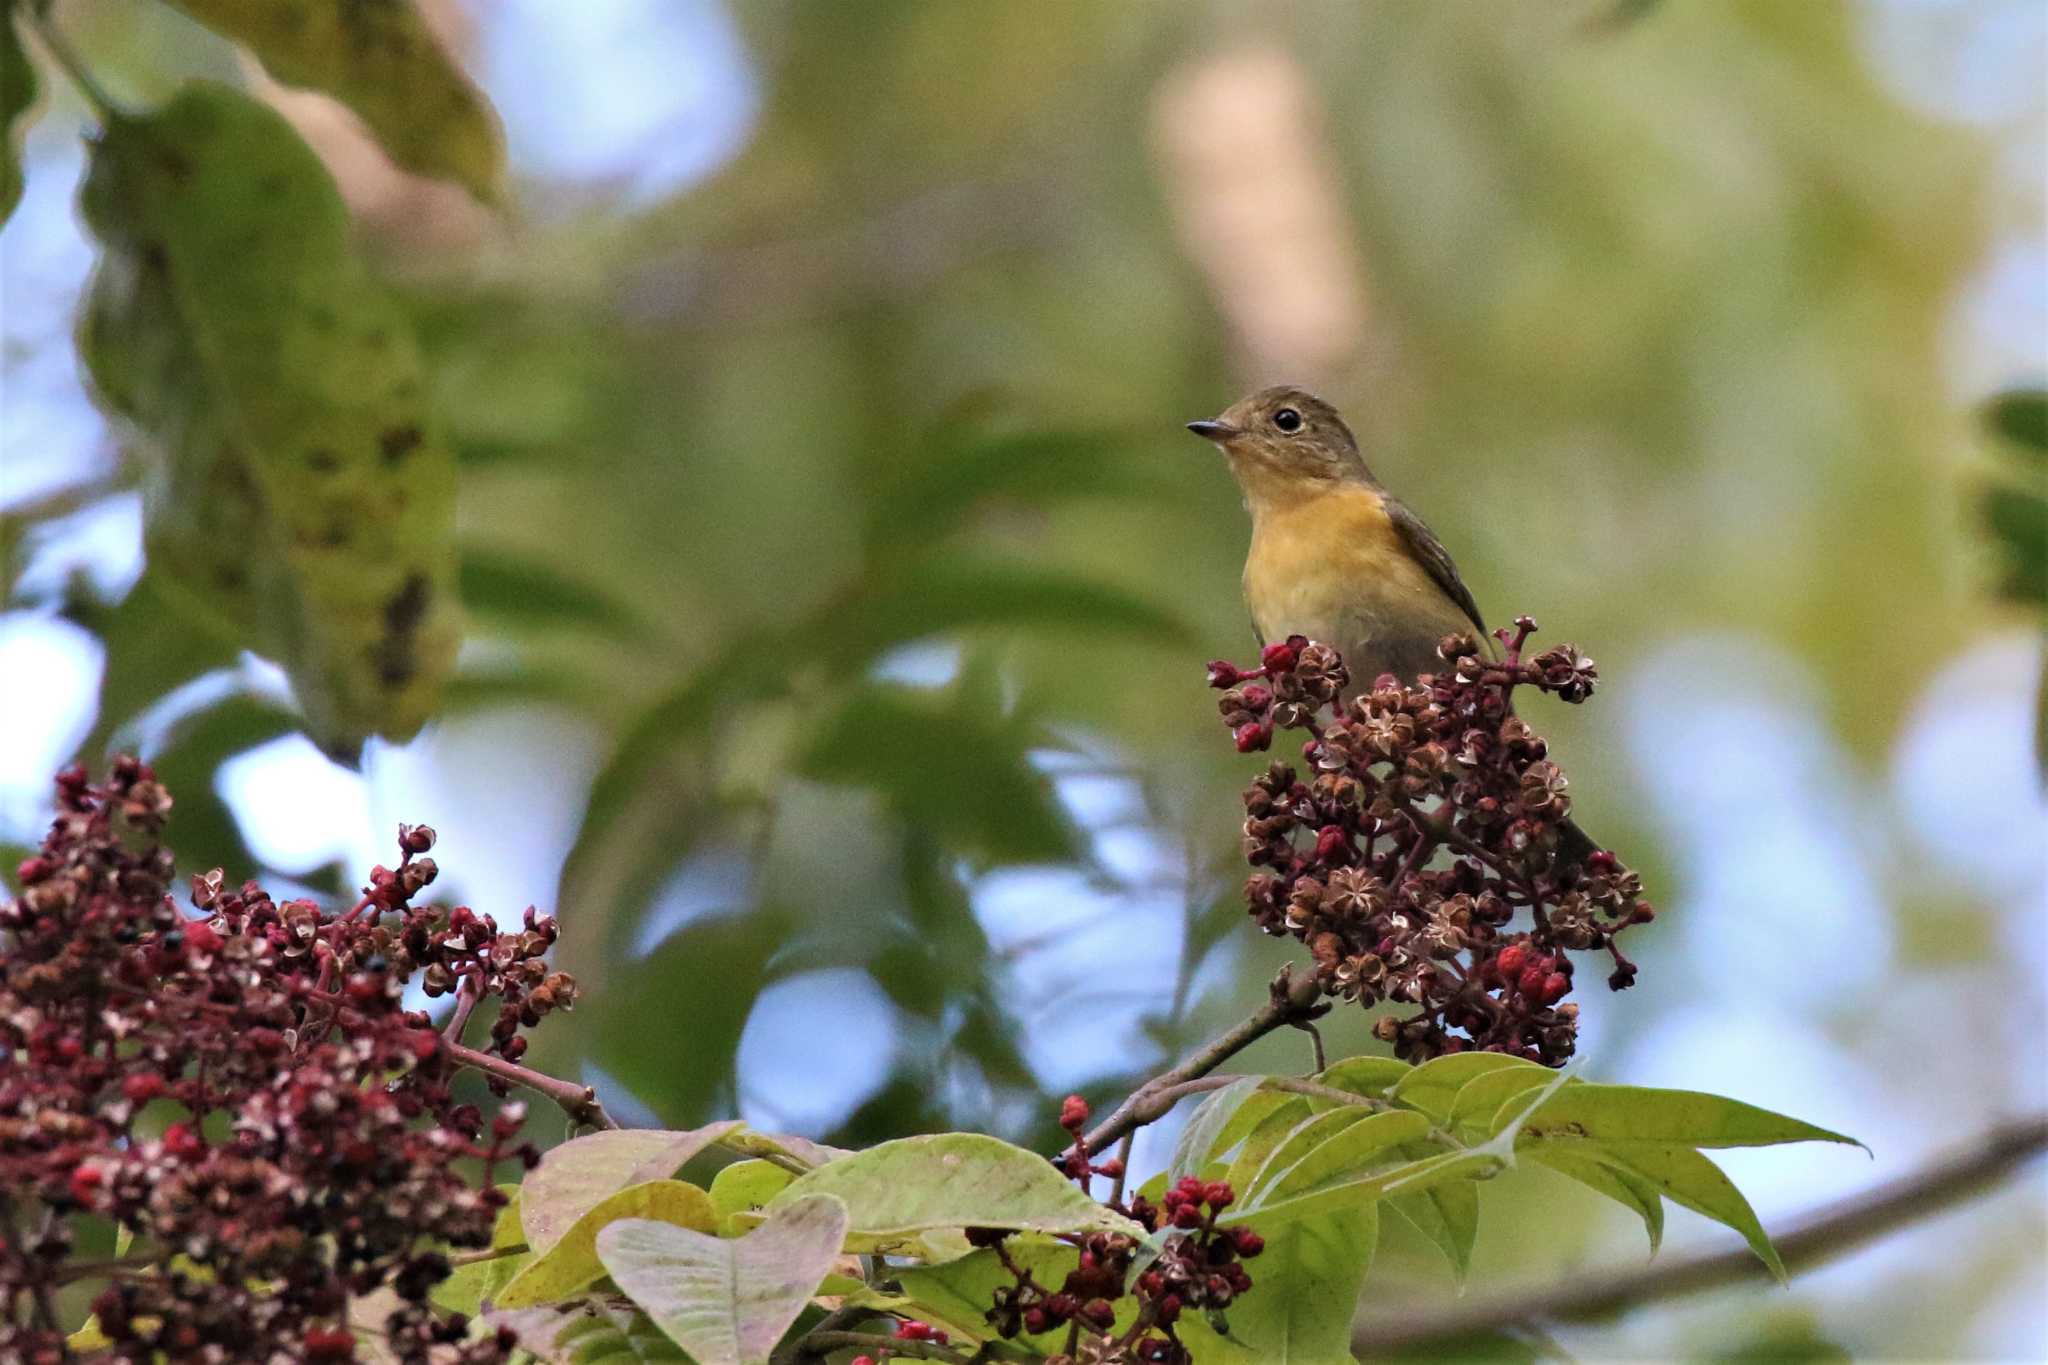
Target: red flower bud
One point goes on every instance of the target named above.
(142, 1087)
(1253, 737)
(1249, 1243)
(1222, 674)
(330, 1343)
(1511, 961)
(913, 1330)
(85, 1183)
(1278, 658)
(1530, 983)
(1331, 845)
(32, 870)
(1100, 1312)
(1073, 1113)
(1219, 1194)
(1258, 698)
(1554, 987)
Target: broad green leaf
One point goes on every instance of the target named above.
(1371, 1077)
(17, 95)
(157, 639)
(1617, 1115)
(727, 1301)
(1478, 1103)
(380, 59)
(295, 483)
(1617, 1182)
(1305, 1292)
(1687, 1177)
(575, 1177)
(936, 494)
(1248, 1118)
(743, 1187)
(469, 1286)
(187, 758)
(1350, 1149)
(1259, 1143)
(1433, 1087)
(2021, 416)
(1198, 1139)
(572, 1263)
(604, 1331)
(811, 1154)
(952, 1180)
(1307, 1135)
(2018, 518)
(525, 593)
(1446, 1213)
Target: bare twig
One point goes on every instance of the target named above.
(1817, 1237)
(1292, 1000)
(579, 1102)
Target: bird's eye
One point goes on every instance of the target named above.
(1287, 419)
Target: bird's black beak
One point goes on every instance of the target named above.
(1213, 430)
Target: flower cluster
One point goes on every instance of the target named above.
(244, 1091)
(1345, 854)
(1202, 1269)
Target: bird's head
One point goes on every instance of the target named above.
(1284, 443)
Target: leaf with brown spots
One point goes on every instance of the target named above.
(380, 59)
(269, 380)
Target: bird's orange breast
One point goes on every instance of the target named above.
(1333, 567)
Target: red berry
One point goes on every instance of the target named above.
(32, 870)
(1331, 845)
(1258, 698)
(1249, 1243)
(1278, 658)
(1222, 674)
(1187, 1216)
(1219, 1194)
(1530, 983)
(913, 1330)
(330, 1343)
(1511, 961)
(201, 937)
(85, 1183)
(1112, 1168)
(1253, 737)
(142, 1087)
(1036, 1320)
(1073, 1113)
(1100, 1312)
(1554, 987)
(424, 1043)
(181, 1143)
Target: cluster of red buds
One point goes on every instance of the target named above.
(1345, 857)
(242, 1089)
(1201, 1269)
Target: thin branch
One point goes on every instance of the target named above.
(1291, 1001)
(579, 1102)
(1817, 1237)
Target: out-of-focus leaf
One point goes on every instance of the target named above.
(932, 497)
(1322, 1262)
(956, 1295)
(1617, 1116)
(1371, 1077)
(380, 59)
(296, 484)
(957, 773)
(203, 829)
(524, 593)
(691, 997)
(2018, 518)
(1623, 1186)
(602, 1331)
(572, 1263)
(952, 1180)
(156, 639)
(2021, 416)
(948, 594)
(727, 1301)
(1446, 1214)
(17, 94)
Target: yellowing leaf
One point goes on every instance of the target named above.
(296, 485)
(575, 1177)
(380, 59)
(572, 1263)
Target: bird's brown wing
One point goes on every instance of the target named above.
(1431, 554)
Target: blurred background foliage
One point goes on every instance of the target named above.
(838, 576)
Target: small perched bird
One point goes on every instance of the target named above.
(1336, 557)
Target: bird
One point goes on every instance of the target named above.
(1334, 556)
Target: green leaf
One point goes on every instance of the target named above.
(1350, 1149)
(1618, 1115)
(1433, 1087)
(381, 60)
(1198, 1139)
(1688, 1178)
(295, 484)
(1300, 1309)
(17, 96)
(575, 1177)
(955, 1296)
(606, 1331)
(952, 1180)
(811, 1154)
(727, 1302)
(935, 495)
(946, 767)
(469, 1286)
(2021, 416)
(1305, 1137)
(1478, 1104)
(526, 594)
(1618, 1183)
(743, 1187)
(156, 640)
(2018, 518)
(1269, 1132)
(1371, 1077)
(188, 758)
(1447, 1214)
(571, 1263)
